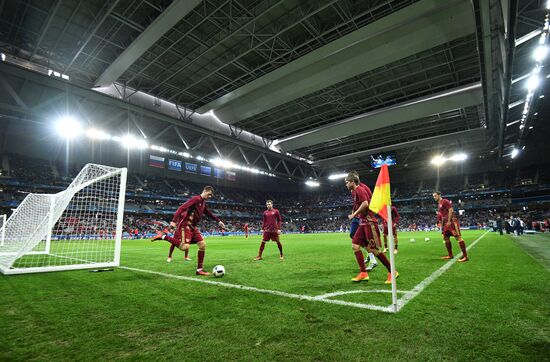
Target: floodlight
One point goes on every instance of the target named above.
(97, 134)
(311, 183)
(533, 82)
(438, 160)
(131, 142)
(459, 157)
(141, 144)
(68, 127)
(200, 158)
(337, 176)
(548, 5)
(540, 53)
(3, 57)
(515, 152)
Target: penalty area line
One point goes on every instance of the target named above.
(387, 309)
(430, 279)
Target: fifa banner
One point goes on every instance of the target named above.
(206, 170)
(230, 176)
(191, 167)
(218, 172)
(156, 161)
(174, 165)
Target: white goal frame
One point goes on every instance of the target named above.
(3, 219)
(24, 231)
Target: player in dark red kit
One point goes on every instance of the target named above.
(395, 220)
(367, 234)
(450, 226)
(246, 230)
(186, 220)
(172, 247)
(271, 228)
(355, 221)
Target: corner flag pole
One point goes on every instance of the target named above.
(381, 204)
(392, 260)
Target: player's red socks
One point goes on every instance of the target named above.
(172, 247)
(384, 260)
(280, 246)
(200, 257)
(449, 248)
(361, 261)
(462, 245)
(262, 246)
(175, 242)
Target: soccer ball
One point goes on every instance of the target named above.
(219, 271)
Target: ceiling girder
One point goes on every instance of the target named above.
(429, 22)
(389, 116)
(162, 24)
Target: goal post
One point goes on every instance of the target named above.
(2, 229)
(77, 228)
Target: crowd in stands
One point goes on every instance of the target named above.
(152, 200)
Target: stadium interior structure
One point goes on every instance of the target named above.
(280, 99)
(243, 87)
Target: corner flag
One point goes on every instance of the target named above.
(380, 203)
(381, 195)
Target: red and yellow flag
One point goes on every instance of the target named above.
(381, 195)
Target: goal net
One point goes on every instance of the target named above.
(80, 227)
(2, 230)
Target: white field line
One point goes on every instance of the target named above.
(336, 294)
(264, 291)
(436, 274)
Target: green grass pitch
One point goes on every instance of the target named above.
(495, 307)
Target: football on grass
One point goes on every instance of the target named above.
(219, 271)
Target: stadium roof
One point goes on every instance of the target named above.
(329, 81)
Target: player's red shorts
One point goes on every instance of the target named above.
(393, 227)
(268, 235)
(368, 236)
(191, 234)
(451, 230)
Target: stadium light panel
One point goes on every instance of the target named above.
(220, 162)
(515, 152)
(540, 53)
(438, 160)
(3, 57)
(68, 127)
(548, 5)
(533, 82)
(97, 134)
(337, 176)
(459, 157)
(131, 142)
(312, 183)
